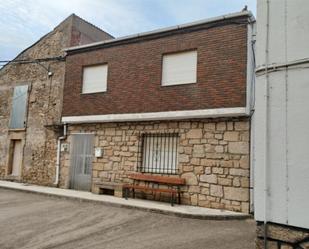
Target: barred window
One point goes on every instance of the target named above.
(160, 153)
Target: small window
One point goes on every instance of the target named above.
(95, 79)
(179, 68)
(19, 107)
(160, 153)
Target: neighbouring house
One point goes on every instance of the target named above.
(171, 102)
(280, 125)
(31, 89)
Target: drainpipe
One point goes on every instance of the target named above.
(266, 153)
(58, 153)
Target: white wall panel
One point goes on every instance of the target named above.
(281, 136)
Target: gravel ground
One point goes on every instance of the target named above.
(35, 221)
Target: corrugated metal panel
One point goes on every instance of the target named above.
(19, 107)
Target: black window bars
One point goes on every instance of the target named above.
(159, 153)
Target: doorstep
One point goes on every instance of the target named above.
(153, 206)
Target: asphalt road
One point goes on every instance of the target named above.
(35, 221)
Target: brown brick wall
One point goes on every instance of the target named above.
(134, 74)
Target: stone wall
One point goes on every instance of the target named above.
(44, 103)
(213, 157)
(282, 237)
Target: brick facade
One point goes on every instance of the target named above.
(134, 72)
(213, 157)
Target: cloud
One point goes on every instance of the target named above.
(24, 22)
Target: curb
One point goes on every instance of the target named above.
(145, 209)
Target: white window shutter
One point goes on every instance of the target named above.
(179, 68)
(95, 79)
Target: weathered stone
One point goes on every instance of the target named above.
(194, 189)
(183, 158)
(244, 162)
(231, 136)
(239, 172)
(236, 182)
(190, 178)
(221, 126)
(286, 246)
(216, 190)
(238, 147)
(238, 194)
(304, 245)
(198, 151)
(208, 178)
(283, 233)
(210, 126)
(195, 133)
(241, 126)
(224, 181)
(219, 149)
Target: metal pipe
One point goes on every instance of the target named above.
(266, 154)
(58, 153)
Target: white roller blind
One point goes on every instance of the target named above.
(179, 68)
(95, 79)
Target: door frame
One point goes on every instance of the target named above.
(71, 157)
(14, 135)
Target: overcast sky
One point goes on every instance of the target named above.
(22, 22)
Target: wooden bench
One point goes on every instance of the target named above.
(173, 184)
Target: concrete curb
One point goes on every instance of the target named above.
(146, 209)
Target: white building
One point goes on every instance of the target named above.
(280, 132)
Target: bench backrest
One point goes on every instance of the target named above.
(158, 179)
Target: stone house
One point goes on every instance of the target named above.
(175, 101)
(31, 89)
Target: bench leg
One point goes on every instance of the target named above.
(172, 199)
(126, 190)
(179, 195)
(133, 193)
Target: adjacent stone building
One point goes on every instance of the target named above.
(31, 89)
(172, 102)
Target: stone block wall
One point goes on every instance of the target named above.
(282, 237)
(213, 157)
(44, 103)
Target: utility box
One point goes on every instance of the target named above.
(64, 147)
(98, 152)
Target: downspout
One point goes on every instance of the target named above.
(266, 154)
(58, 154)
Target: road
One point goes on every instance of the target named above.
(36, 221)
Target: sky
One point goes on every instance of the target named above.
(23, 22)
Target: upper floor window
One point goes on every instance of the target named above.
(95, 79)
(179, 68)
(19, 107)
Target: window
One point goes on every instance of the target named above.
(160, 153)
(179, 68)
(19, 107)
(95, 79)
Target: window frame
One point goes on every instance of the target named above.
(82, 78)
(179, 52)
(25, 108)
(172, 167)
